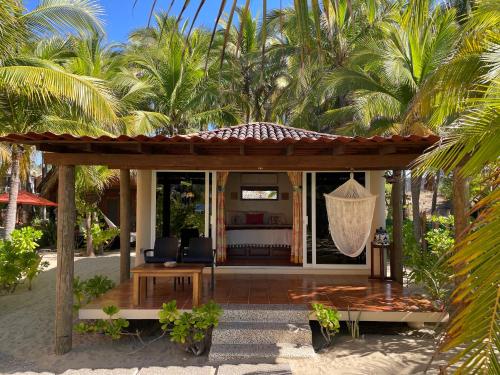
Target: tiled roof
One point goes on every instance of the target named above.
(260, 133)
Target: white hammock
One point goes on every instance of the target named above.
(350, 210)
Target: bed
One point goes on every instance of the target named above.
(259, 235)
(262, 241)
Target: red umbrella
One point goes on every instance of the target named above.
(27, 198)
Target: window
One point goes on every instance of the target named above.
(259, 193)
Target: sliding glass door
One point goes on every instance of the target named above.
(182, 204)
(320, 250)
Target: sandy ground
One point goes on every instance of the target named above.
(26, 340)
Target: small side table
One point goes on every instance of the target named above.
(382, 259)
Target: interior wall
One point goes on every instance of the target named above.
(144, 218)
(377, 187)
(233, 188)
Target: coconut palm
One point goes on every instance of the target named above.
(32, 87)
(464, 98)
(388, 72)
(90, 182)
(249, 83)
(312, 53)
(165, 79)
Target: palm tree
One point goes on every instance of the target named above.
(32, 87)
(90, 183)
(250, 82)
(388, 72)
(166, 81)
(464, 98)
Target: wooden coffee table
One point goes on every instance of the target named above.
(142, 272)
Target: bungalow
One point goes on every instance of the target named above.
(257, 190)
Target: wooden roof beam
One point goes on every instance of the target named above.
(385, 150)
(235, 162)
(338, 150)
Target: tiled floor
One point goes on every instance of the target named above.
(342, 292)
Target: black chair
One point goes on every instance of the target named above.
(186, 235)
(200, 251)
(166, 250)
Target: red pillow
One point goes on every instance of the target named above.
(255, 219)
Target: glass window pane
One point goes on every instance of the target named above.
(259, 193)
(326, 251)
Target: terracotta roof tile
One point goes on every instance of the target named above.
(259, 132)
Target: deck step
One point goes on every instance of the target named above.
(258, 353)
(265, 313)
(261, 334)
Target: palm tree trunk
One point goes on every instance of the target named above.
(416, 182)
(15, 181)
(461, 206)
(435, 193)
(88, 227)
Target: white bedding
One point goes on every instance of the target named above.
(259, 237)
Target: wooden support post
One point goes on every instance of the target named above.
(460, 186)
(397, 228)
(66, 213)
(125, 214)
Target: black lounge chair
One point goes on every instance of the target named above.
(200, 251)
(166, 250)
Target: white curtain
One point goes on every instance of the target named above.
(350, 210)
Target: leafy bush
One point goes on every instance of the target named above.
(428, 267)
(19, 259)
(328, 319)
(49, 231)
(190, 329)
(112, 327)
(102, 237)
(84, 291)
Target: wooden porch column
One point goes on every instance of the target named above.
(65, 266)
(125, 214)
(397, 227)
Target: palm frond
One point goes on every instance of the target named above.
(62, 16)
(43, 85)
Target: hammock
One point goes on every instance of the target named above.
(350, 210)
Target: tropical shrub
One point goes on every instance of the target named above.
(112, 327)
(190, 329)
(86, 290)
(328, 319)
(428, 268)
(49, 231)
(19, 259)
(102, 237)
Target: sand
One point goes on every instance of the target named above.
(26, 341)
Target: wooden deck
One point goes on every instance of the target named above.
(366, 300)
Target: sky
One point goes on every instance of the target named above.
(121, 16)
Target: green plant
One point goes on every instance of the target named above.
(328, 319)
(86, 290)
(428, 267)
(353, 325)
(190, 328)
(19, 258)
(49, 231)
(112, 327)
(102, 237)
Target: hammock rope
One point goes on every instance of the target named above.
(350, 210)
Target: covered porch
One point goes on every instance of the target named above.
(361, 298)
(259, 147)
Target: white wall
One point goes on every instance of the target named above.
(144, 219)
(233, 185)
(377, 187)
